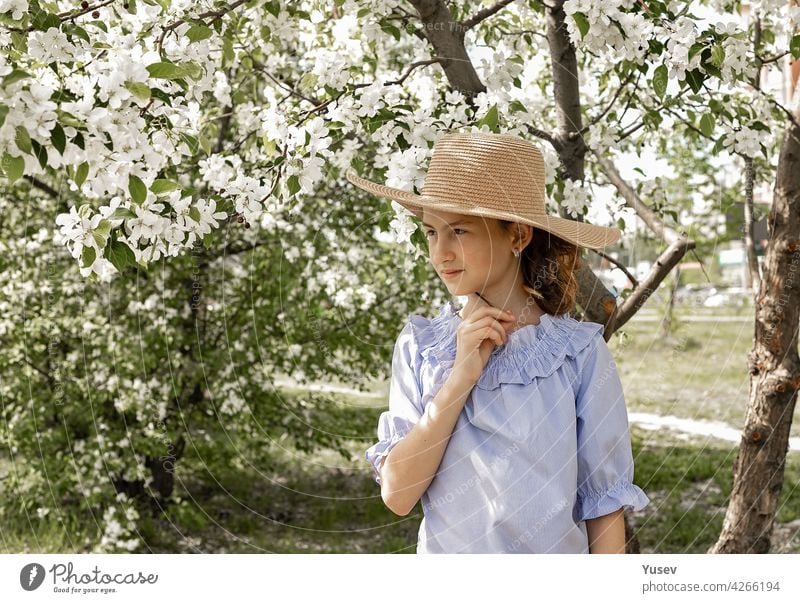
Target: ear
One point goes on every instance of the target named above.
(523, 235)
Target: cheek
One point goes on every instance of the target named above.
(478, 258)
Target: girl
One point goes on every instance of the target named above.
(506, 416)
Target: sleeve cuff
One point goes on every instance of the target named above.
(375, 453)
(622, 495)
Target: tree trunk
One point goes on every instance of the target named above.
(774, 369)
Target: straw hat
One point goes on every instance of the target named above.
(490, 175)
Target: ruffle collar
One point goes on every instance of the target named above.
(531, 351)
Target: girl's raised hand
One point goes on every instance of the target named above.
(476, 337)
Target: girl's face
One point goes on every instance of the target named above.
(470, 253)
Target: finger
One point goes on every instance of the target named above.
(498, 313)
(491, 333)
(504, 320)
(489, 322)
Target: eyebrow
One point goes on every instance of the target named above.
(453, 223)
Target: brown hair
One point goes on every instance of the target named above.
(548, 266)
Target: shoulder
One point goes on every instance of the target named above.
(422, 336)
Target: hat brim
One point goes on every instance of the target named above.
(577, 233)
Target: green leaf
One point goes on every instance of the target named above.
(274, 7)
(193, 69)
(23, 139)
(75, 31)
(81, 173)
(68, 119)
(515, 106)
(161, 186)
(794, 46)
(103, 227)
(120, 255)
(40, 152)
(166, 71)
(391, 29)
(100, 239)
(695, 79)
(13, 167)
(122, 213)
(227, 51)
(137, 189)
(194, 213)
(42, 20)
(19, 41)
(717, 55)
(3, 113)
(199, 32)
(695, 48)
(660, 80)
(205, 143)
(293, 184)
(490, 119)
(190, 141)
(88, 256)
(140, 90)
(582, 22)
(15, 76)
(58, 138)
(707, 124)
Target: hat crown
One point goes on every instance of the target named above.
(490, 175)
(481, 169)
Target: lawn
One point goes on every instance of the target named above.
(283, 501)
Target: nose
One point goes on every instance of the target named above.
(441, 251)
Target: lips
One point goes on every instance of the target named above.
(451, 273)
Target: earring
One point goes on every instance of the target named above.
(515, 252)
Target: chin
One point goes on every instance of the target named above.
(459, 289)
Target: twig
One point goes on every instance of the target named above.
(619, 265)
(484, 14)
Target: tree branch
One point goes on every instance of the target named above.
(633, 200)
(484, 14)
(446, 35)
(42, 186)
(619, 265)
(545, 136)
(661, 268)
(412, 67)
(611, 104)
(215, 14)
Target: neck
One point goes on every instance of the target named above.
(519, 302)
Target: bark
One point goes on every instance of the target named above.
(752, 274)
(446, 35)
(774, 369)
(566, 92)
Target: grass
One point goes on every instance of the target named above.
(313, 508)
(291, 502)
(697, 372)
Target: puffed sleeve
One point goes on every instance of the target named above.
(405, 400)
(605, 461)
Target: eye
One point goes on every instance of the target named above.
(458, 231)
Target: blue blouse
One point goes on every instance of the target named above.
(541, 445)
